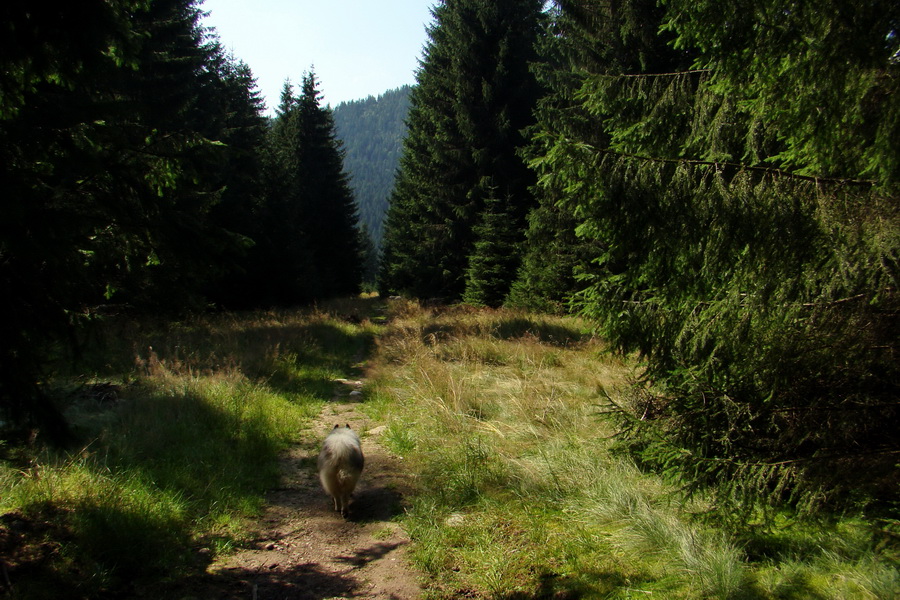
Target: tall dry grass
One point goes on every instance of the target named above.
(500, 417)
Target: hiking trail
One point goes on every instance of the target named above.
(302, 549)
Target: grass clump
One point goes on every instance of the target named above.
(520, 494)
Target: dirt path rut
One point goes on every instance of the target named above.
(304, 550)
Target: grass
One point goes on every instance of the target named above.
(519, 494)
(498, 415)
(180, 427)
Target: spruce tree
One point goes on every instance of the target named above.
(475, 95)
(281, 263)
(740, 190)
(310, 241)
(238, 115)
(495, 257)
(165, 118)
(55, 61)
(328, 206)
(110, 166)
(576, 41)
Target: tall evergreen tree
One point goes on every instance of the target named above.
(280, 262)
(312, 248)
(329, 208)
(239, 118)
(168, 123)
(741, 191)
(475, 95)
(109, 166)
(580, 38)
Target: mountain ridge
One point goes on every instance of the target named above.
(372, 131)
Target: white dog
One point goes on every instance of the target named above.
(340, 465)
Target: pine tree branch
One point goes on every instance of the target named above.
(719, 165)
(673, 74)
(838, 456)
(836, 302)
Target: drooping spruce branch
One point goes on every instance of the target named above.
(741, 167)
(648, 75)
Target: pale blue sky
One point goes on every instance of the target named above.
(357, 47)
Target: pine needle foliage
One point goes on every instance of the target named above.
(494, 256)
(310, 247)
(741, 180)
(474, 96)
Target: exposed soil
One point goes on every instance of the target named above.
(305, 550)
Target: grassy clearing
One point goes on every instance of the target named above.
(180, 428)
(498, 415)
(518, 495)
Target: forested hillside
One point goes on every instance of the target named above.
(372, 131)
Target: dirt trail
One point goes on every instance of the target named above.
(303, 549)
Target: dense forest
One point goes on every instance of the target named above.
(141, 176)
(713, 184)
(372, 132)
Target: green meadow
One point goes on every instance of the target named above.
(520, 488)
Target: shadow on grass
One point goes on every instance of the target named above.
(555, 334)
(553, 586)
(126, 512)
(338, 335)
(170, 458)
(312, 356)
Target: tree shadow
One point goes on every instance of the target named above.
(360, 558)
(315, 354)
(304, 581)
(192, 442)
(554, 334)
(308, 581)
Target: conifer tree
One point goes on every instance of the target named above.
(576, 41)
(327, 201)
(310, 244)
(281, 265)
(51, 181)
(474, 96)
(110, 166)
(239, 117)
(741, 191)
(166, 119)
(494, 257)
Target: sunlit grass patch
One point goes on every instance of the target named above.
(179, 463)
(179, 445)
(500, 419)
